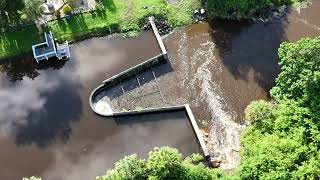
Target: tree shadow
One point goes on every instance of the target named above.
(18, 41)
(98, 13)
(16, 70)
(244, 45)
(102, 14)
(77, 23)
(62, 24)
(109, 4)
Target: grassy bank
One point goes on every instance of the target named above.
(117, 16)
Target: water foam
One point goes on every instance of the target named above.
(223, 140)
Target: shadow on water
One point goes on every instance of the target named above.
(245, 46)
(16, 70)
(174, 115)
(58, 107)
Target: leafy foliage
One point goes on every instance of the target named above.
(163, 163)
(238, 9)
(300, 75)
(283, 141)
(33, 9)
(127, 168)
(10, 11)
(260, 114)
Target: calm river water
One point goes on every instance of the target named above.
(47, 127)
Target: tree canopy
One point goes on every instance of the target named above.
(239, 9)
(163, 163)
(10, 11)
(34, 9)
(283, 141)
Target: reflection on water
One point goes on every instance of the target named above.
(48, 129)
(218, 68)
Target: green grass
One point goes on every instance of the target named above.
(118, 16)
(18, 42)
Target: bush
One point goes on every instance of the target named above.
(258, 111)
(283, 141)
(239, 9)
(195, 159)
(300, 74)
(260, 114)
(127, 168)
(165, 163)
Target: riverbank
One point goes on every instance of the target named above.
(118, 16)
(121, 16)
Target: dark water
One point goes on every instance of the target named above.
(220, 67)
(48, 129)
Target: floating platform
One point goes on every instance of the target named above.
(50, 48)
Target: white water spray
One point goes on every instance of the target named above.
(223, 141)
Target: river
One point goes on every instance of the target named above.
(47, 127)
(220, 67)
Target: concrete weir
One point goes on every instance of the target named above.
(133, 71)
(107, 110)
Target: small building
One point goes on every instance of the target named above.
(49, 48)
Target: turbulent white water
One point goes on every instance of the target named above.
(223, 140)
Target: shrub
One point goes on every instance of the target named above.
(165, 163)
(260, 115)
(127, 168)
(194, 159)
(283, 141)
(239, 9)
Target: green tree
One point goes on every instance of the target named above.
(163, 163)
(127, 168)
(239, 9)
(10, 11)
(300, 73)
(260, 114)
(289, 148)
(34, 9)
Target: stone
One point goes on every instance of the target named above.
(215, 163)
(202, 11)
(204, 133)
